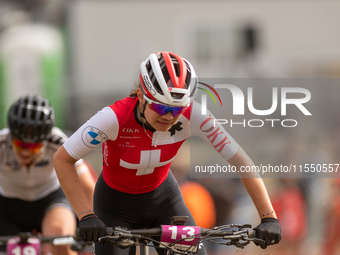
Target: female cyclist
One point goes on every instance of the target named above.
(30, 195)
(140, 135)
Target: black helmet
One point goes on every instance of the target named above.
(31, 118)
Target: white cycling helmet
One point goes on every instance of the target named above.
(168, 78)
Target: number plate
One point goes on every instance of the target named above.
(32, 247)
(171, 233)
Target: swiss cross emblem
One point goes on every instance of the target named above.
(149, 160)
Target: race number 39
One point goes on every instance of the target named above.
(189, 236)
(32, 247)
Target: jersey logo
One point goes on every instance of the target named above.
(130, 130)
(176, 127)
(92, 136)
(149, 160)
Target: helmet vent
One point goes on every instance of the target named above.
(188, 78)
(33, 113)
(41, 116)
(38, 131)
(166, 74)
(177, 95)
(175, 61)
(22, 128)
(153, 78)
(165, 71)
(23, 113)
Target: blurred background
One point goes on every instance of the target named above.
(83, 55)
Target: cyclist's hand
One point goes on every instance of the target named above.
(91, 228)
(269, 230)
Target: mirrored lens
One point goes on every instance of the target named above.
(164, 109)
(20, 145)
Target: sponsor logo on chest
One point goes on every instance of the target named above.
(130, 130)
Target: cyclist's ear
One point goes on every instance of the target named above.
(140, 96)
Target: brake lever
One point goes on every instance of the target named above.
(121, 230)
(108, 238)
(78, 246)
(257, 240)
(238, 244)
(252, 237)
(240, 236)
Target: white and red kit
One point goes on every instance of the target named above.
(137, 160)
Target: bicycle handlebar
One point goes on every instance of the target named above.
(157, 232)
(77, 244)
(109, 232)
(235, 234)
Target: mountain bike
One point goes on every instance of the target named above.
(178, 238)
(27, 244)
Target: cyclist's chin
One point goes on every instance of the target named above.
(26, 160)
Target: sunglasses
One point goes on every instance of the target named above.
(164, 109)
(20, 145)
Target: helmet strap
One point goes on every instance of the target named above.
(142, 115)
(147, 124)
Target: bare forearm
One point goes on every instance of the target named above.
(70, 183)
(258, 193)
(88, 185)
(253, 184)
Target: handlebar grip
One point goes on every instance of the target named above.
(252, 233)
(109, 231)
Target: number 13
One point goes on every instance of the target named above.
(190, 232)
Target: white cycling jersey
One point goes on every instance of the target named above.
(33, 182)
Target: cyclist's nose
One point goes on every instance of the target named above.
(26, 153)
(168, 115)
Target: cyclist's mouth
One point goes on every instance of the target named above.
(164, 123)
(24, 157)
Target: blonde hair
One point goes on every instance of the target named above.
(133, 92)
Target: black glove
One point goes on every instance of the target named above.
(91, 228)
(269, 230)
